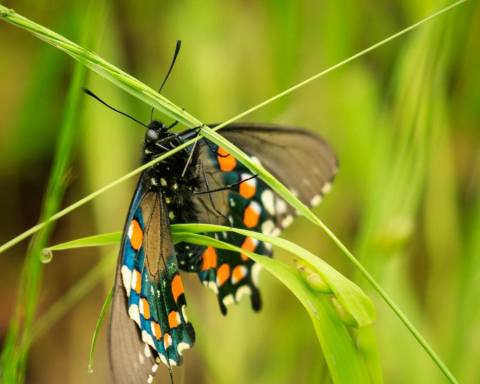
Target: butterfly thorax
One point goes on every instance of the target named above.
(172, 177)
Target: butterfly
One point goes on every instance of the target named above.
(202, 183)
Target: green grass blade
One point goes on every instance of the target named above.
(98, 325)
(102, 67)
(15, 351)
(350, 296)
(89, 241)
(344, 360)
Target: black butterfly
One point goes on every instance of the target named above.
(202, 183)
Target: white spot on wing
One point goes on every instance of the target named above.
(327, 187)
(242, 291)
(227, 300)
(148, 339)
(212, 286)
(126, 278)
(268, 201)
(133, 313)
(134, 279)
(315, 200)
(268, 227)
(280, 206)
(163, 359)
(182, 347)
(147, 351)
(287, 221)
(154, 368)
(184, 314)
(256, 268)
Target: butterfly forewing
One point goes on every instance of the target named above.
(148, 294)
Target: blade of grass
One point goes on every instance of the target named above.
(89, 241)
(344, 361)
(98, 325)
(15, 351)
(350, 296)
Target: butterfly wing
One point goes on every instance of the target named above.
(148, 323)
(300, 159)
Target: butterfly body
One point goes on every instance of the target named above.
(201, 183)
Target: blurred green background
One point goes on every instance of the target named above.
(404, 120)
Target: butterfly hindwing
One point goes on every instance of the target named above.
(300, 159)
(149, 291)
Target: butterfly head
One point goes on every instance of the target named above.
(155, 131)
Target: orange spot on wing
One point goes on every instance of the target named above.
(173, 319)
(226, 161)
(167, 341)
(157, 331)
(239, 272)
(223, 273)
(145, 308)
(248, 244)
(177, 287)
(138, 281)
(251, 216)
(248, 188)
(209, 258)
(136, 235)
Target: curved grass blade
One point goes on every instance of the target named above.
(344, 360)
(354, 301)
(89, 241)
(98, 325)
(351, 298)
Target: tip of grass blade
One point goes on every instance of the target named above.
(98, 325)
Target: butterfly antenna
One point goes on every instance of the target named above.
(177, 50)
(90, 93)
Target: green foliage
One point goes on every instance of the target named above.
(403, 157)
